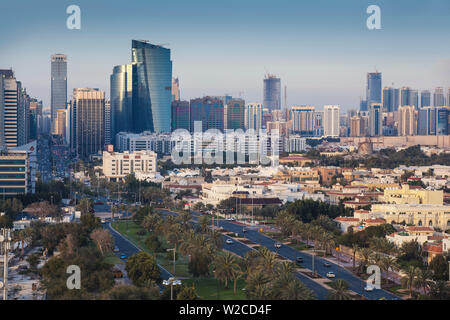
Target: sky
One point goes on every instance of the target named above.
(320, 49)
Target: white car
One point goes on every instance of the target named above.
(277, 245)
(331, 274)
(368, 288)
(229, 241)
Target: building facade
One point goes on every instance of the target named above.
(58, 84)
(331, 121)
(272, 92)
(116, 166)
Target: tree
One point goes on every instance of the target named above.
(388, 263)
(340, 290)
(187, 293)
(153, 244)
(130, 292)
(44, 209)
(409, 280)
(226, 267)
(103, 239)
(86, 205)
(439, 266)
(423, 277)
(142, 268)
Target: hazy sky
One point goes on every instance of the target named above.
(321, 49)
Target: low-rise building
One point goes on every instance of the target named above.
(117, 166)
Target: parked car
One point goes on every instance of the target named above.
(229, 241)
(117, 273)
(368, 288)
(331, 274)
(277, 245)
(327, 264)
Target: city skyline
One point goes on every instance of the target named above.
(312, 72)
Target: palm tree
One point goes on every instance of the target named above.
(409, 279)
(423, 277)
(355, 248)
(365, 255)
(296, 290)
(327, 241)
(340, 290)
(387, 263)
(226, 267)
(256, 285)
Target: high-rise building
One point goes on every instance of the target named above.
(35, 118)
(425, 98)
(152, 110)
(426, 121)
(58, 84)
(253, 116)
(331, 121)
(60, 123)
(180, 115)
(396, 99)
(438, 97)
(301, 120)
(23, 116)
(89, 106)
(123, 81)
(9, 109)
(373, 89)
(108, 136)
(272, 92)
(414, 98)
(209, 111)
(318, 123)
(448, 97)
(405, 97)
(388, 99)
(357, 128)
(375, 120)
(442, 120)
(235, 114)
(175, 89)
(407, 121)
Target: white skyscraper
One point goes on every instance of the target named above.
(331, 121)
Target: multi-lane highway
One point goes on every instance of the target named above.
(355, 284)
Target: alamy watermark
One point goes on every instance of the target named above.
(374, 20)
(74, 280)
(73, 21)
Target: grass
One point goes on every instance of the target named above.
(111, 258)
(395, 290)
(208, 289)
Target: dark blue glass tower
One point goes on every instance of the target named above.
(152, 110)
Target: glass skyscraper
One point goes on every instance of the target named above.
(272, 93)
(122, 99)
(373, 90)
(152, 110)
(425, 98)
(58, 85)
(388, 99)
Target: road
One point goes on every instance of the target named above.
(125, 246)
(355, 284)
(241, 249)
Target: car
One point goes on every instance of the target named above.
(116, 249)
(299, 259)
(368, 288)
(123, 257)
(244, 230)
(103, 221)
(277, 245)
(331, 274)
(327, 264)
(229, 241)
(117, 273)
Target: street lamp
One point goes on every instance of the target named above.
(171, 282)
